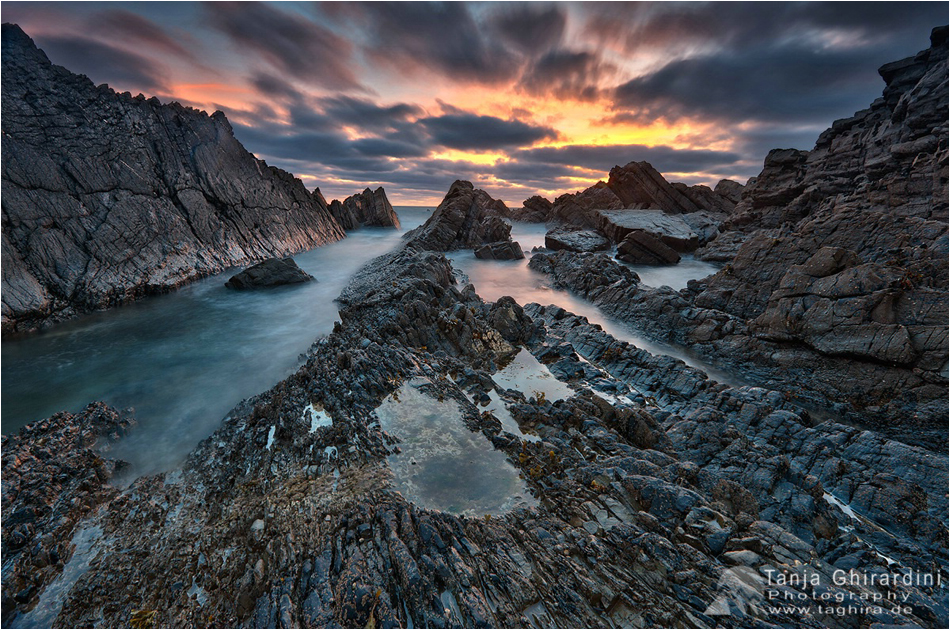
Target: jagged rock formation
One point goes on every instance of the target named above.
(840, 283)
(636, 186)
(370, 208)
(273, 272)
(467, 218)
(535, 209)
(107, 197)
(655, 484)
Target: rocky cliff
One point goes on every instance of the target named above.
(836, 279)
(109, 197)
(370, 208)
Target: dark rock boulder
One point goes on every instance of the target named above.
(467, 218)
(576, 240)
(273, 272)
(109, 197)
(673, 230)
(369, 208)
(642, 248)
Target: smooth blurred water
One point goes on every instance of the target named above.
(495, 278)
(184, 359)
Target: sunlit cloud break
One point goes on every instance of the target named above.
(520, 98)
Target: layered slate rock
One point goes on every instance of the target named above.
(369, 208)
(654, 483)
(576, 240)
(642, 248)
(109, 197)
(467, 218)
(638, 186)
(535, 209)
(839, 278)
(672, 230)
(273, 272)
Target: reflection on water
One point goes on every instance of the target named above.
(441, 464)
(674, 276)
(530, 377)
(496, 278)
(183, 360)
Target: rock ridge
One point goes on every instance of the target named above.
(109, 197)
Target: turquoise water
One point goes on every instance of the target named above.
(183, 360)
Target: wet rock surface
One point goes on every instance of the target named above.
(653, 484)
(274, 272)
(109, 197)
(642, 248)
(835, 289)
(369, 208)
(467, 218)
(54, 475)
(576, 240)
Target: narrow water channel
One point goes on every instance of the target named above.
(183, 360)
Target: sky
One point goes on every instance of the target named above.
(520, 98)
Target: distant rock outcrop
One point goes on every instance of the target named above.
(273, 272)
(467, 218)
(535, 209)
(109, 197)
(369, 208)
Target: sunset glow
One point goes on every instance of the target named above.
(522, 99)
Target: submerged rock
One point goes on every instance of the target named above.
(274, 272)
(109, 197)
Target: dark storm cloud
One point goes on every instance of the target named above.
(136, 29)
(104, 63)
(741, 25)
(444, 37)
(293, 44)
(602, 158)
(566, 74)
(787, 62)
(366, 114)
(473, 132)
(761, 85)
(529, 29)
(273, 87)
